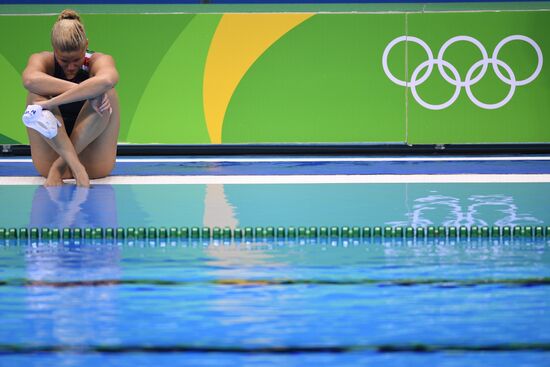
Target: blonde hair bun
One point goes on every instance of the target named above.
(68, 32)
(68, 14)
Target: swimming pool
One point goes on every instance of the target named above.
(385, 298)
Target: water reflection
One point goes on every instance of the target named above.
(476, 210)
(247, 205)
(218, 211)
(238, 264)
(70, 296)
(73, 206)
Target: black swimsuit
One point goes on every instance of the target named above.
(70, 111)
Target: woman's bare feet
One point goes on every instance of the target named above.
(55, 176)
(57, 170)
(81, 177)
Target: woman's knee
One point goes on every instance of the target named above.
(101, 170)
(32, 98)
(42, 167)
(113, 101)
(92, 108)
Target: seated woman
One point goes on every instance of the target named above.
(77, 86)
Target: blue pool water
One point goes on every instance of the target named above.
(291, 303)
(396, 204)
(398, 302)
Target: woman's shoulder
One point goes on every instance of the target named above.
(44, 56)
(98, 58)
(93, 55)
(42, 60)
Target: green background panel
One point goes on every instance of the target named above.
(137, 43)
(523, 119)
(321, 82)
(14, 53)
(171, 108)
(13, 130)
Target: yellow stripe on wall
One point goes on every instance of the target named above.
(239, 41)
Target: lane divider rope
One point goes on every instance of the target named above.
(277, 233)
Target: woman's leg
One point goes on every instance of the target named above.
(95, 137)
(44, 152)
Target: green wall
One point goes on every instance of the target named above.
(310, 78)
(525, 118)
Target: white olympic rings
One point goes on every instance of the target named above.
(455, 79)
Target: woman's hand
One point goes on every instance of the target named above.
(101, 103)
(46, 104)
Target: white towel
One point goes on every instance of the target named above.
(41, 120)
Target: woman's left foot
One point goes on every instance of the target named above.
(54, 178)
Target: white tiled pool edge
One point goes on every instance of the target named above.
(296, 179)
